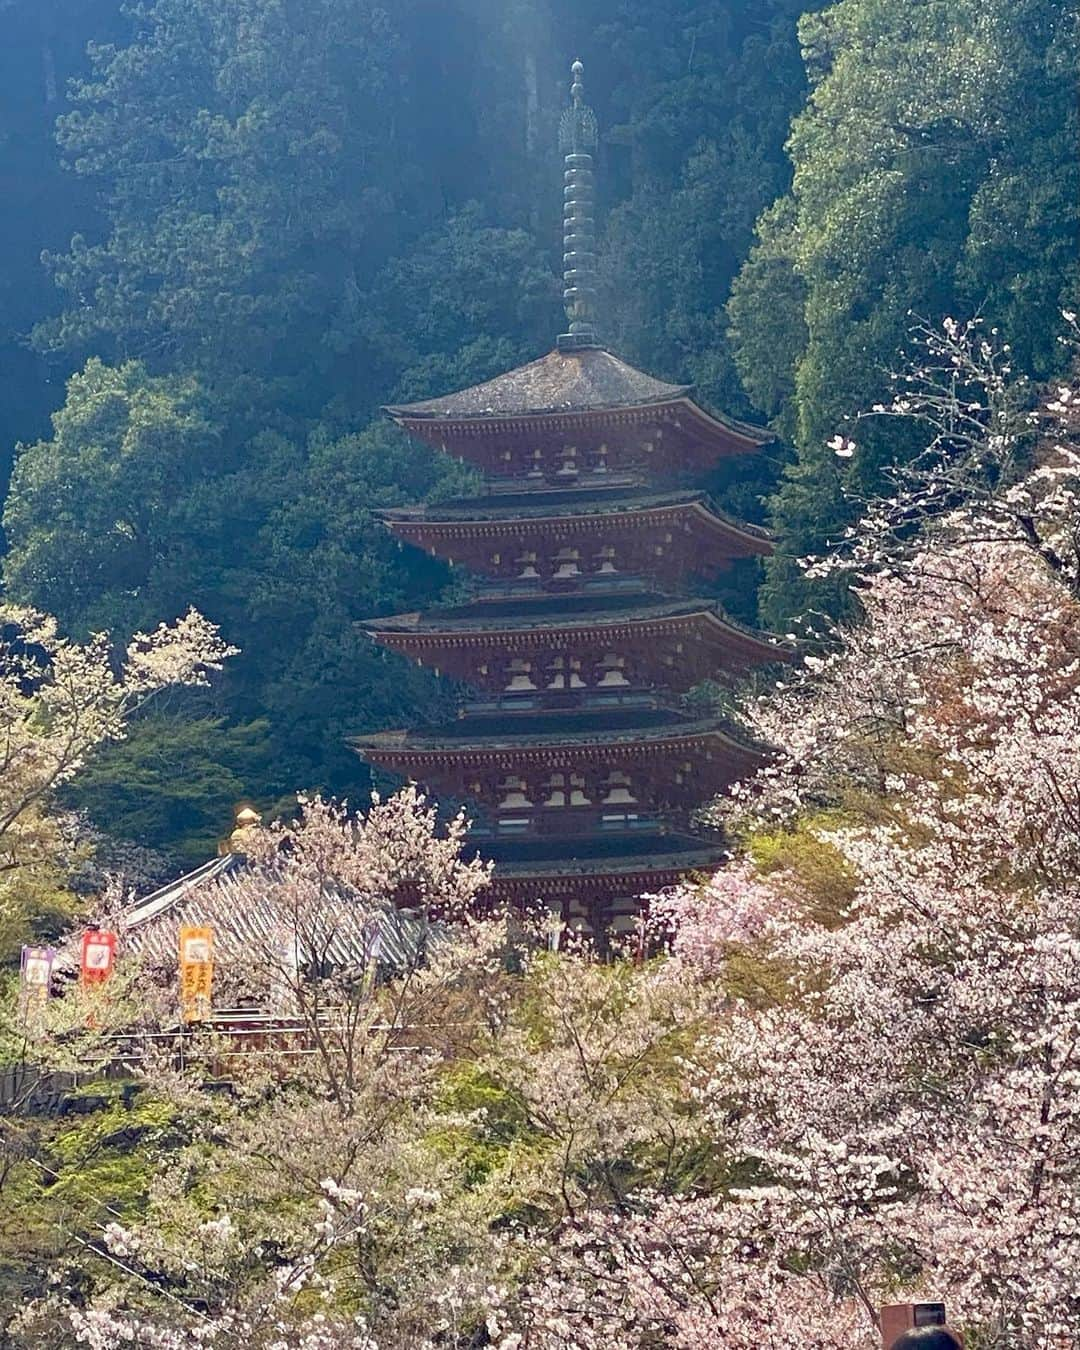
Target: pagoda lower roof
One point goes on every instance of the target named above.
(591, 851)
(592, 489)
(678, 862)
(599, 596)
(603, 881)
(479, 629)
(499, 725)
(646, 509)
(418, 748)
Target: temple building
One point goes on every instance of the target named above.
(590, 545)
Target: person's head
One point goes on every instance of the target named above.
(928, 1338)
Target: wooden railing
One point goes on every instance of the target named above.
(34, 1088)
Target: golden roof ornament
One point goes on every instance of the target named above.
(245, 821)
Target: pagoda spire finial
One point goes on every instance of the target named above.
(577, 140)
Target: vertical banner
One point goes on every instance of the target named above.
(98, 956)
(196, 972)
(373, 942)
(36, 971)
(35, 981)
(285, 973)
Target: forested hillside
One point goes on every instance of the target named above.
(935, 174)
(261, 220)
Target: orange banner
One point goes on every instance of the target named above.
(196, 972)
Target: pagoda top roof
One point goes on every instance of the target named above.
(588, 380)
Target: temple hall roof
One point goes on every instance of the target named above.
(249, 923)
(573, 381)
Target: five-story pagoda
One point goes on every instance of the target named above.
(581, 766)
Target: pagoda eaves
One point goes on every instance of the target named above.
(574, 787)
(527, 422)
(674, 645)
(673, 535)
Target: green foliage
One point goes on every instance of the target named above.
(273, 267)
(701, 100)
(38, 906)
(173, 783)
(43, 46)
(89, 516)
(210, 256)
(76, 1174)
(109, 1158)
(262, 166)
(278, 228)
(495, 1128)
(703, 96)
(141, 505)
(809, 868)
(767, 315)
(469, 301)
(935, 173)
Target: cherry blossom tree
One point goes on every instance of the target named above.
(999, 463)
(390, 1185)
(914, 1095)
(60, 700)
(306, 1201)
(895, 1099)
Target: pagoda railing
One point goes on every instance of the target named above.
(542, 482)
(560, 700)
(578, 823)
(603, 583)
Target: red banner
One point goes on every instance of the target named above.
(98, 956)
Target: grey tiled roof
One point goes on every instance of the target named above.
(575, 381)
(247, 921)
